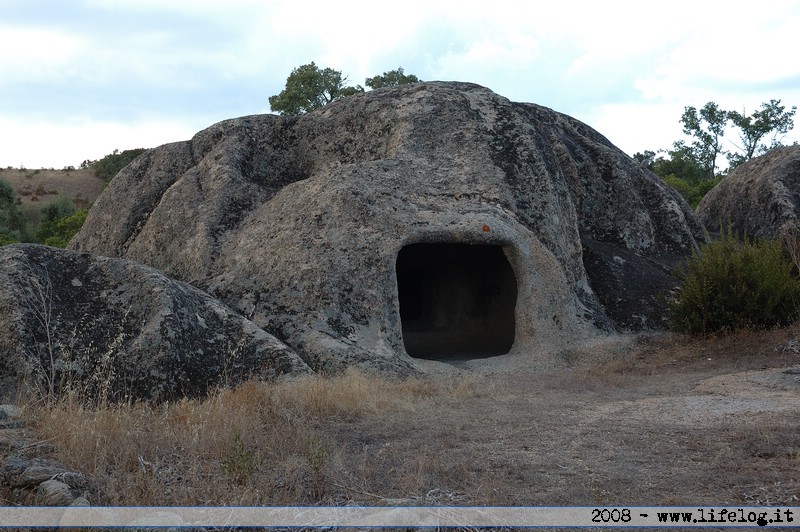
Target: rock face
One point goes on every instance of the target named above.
(115, 329)
(429, 219)
(760, 198)
(41, 482)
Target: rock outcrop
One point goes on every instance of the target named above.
(428, 219)
(115, 329)
(39, 482)
(32, 480)
(760, 198)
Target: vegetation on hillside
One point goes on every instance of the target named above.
(691, 166)
(107, 167)
(58, 232)
(12, 222)
(53, 225)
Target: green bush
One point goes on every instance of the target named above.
(61, 207)
(59, 232)
(10, 213)
(692, 192)
(108, 166)
(732, 284)
(6, 239)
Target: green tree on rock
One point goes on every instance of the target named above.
(690, 167)
(308, 87)
(772, 119)
(682, 163)
(706, 127)
(393, 78)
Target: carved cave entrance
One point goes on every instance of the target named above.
(456, 300)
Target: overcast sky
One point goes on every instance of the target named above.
(79, 79)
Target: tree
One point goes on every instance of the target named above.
(7, 194)
(691, 168)
(772, 118)
(646, 159)
(706, 127)
(60, 209)
(680, 170)
(107, 167)
(681, 162)
(393, 78)
(308, 87)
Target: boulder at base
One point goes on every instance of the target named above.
(114, 329)
(431, 220)
(760, 198)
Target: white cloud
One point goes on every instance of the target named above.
(632, 127)
(34, 54)
(513, 51)
(626, 68)
(56, 145)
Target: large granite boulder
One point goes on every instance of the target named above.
(115, 329)
(760, 198)
(432, 219)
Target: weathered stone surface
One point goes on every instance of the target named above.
(42, 482)
(9, 411)
(9, 419)
(760, 198)
(114, 329)
(19, 472)
(297, 223)
(54, 493)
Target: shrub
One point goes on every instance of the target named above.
(30, 216)
(692, 192)
(52, 215)
(59, 208)
(10, 214)
(59, 232)
(732, 284)
(107, 167)
(6, 239)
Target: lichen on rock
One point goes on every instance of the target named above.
(760, 198)
(113, 329)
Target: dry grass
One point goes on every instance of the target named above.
(259, 443)
(40, 187)
(642, 423)
(655, 354)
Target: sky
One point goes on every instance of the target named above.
(82, 78)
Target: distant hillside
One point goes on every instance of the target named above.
(39, 187)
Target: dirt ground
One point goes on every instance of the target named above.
(658, 420)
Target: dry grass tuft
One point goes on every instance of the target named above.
(260, 443)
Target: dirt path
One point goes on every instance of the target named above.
(654, 423)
